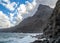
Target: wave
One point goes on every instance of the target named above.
(17, 38)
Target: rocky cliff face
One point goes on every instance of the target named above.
(52, 30)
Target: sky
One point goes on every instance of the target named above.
(50, 3)
(12, 12)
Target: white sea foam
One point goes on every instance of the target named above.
(18, 37)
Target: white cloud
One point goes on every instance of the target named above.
(24, 9)
(9, 5)
(19, 18)
(11, 16)
(29, 6)
(7, 1)
(34, 3)
(50, 3)
(4, 20)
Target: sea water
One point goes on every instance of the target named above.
(18, 37)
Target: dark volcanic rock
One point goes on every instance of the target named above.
(53, 28)
(38, 41)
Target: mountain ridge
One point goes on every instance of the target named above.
(36, 23)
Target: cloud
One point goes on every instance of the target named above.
(11, 17)
(7, 1)
(4, 20)
(9, 5)
(18, 18)
(50, 3)
(23, 11)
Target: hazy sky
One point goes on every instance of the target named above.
(50, 3)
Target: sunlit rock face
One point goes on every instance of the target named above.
(12, 12)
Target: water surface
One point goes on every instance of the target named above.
(18, 37)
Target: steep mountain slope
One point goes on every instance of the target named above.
(52, 30)
(36, 23)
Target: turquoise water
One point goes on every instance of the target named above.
(17, 37)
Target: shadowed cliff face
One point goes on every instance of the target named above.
(36, 23)
(53, 28)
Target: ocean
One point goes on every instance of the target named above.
(18, 37)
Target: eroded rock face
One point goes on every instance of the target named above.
(53, 27)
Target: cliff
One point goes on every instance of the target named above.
(52, 30)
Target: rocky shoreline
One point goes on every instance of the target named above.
(46, 40)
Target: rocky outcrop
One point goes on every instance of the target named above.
(39, 41)
(52, 30)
